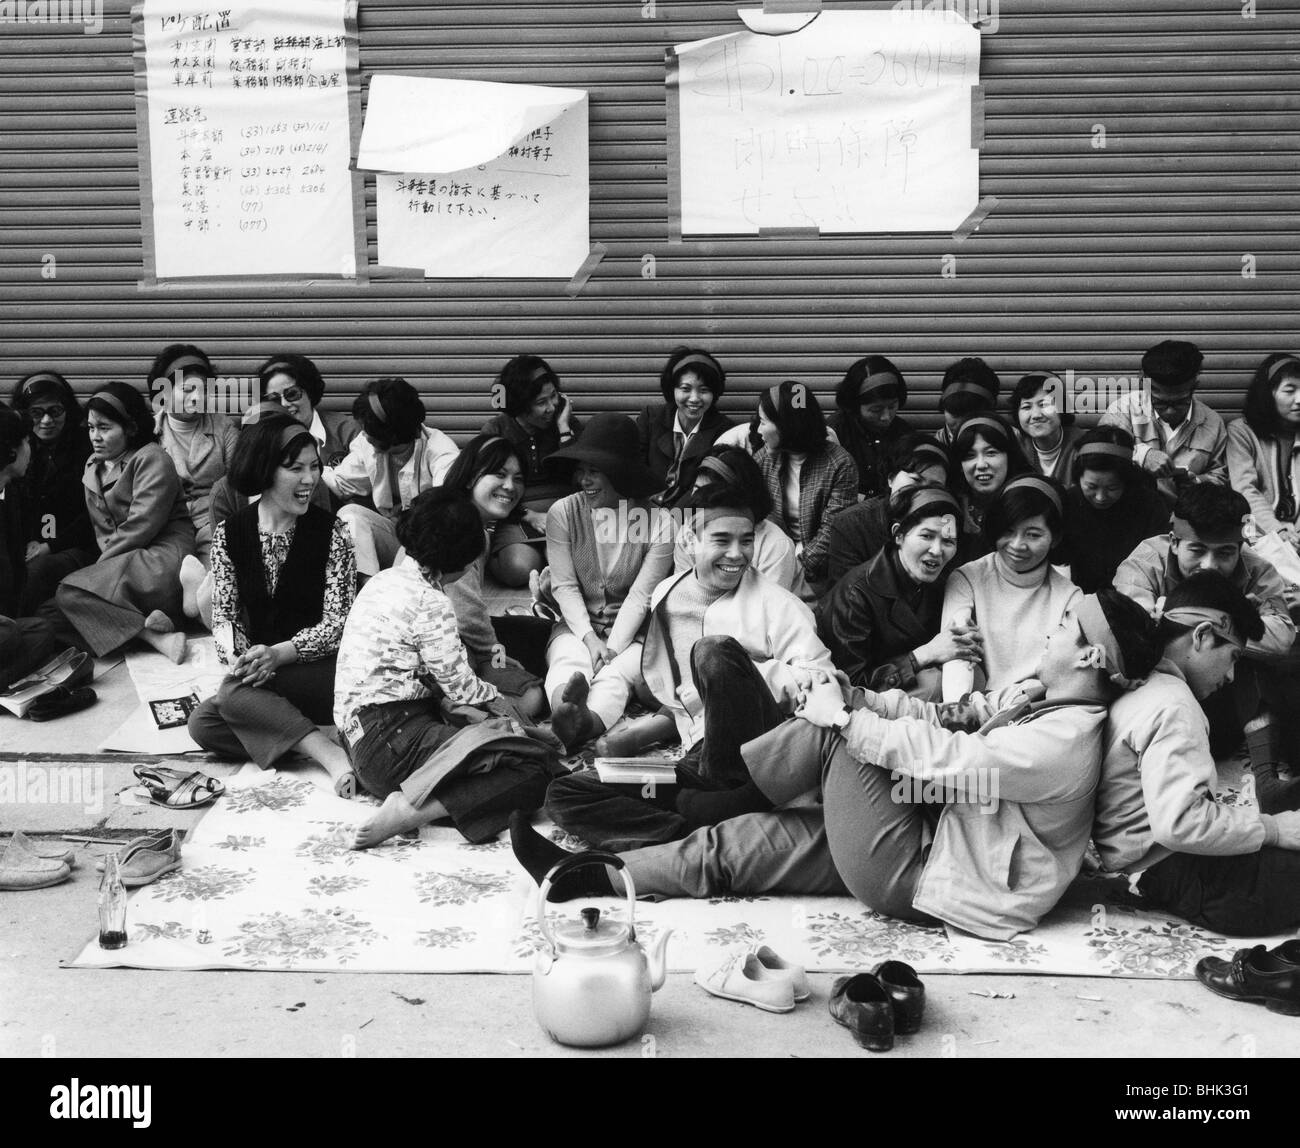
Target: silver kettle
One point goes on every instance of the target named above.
(593, 980)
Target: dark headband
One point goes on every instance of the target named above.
(924, 498)
(721, 469)
(694, 359)
(983, 421)
(1109, 449)
(1033, 482)
(1290, 361)
(278, 367)
(878, 382)
(42, 377)
(182, 361)
(289, 433)
(965, 385)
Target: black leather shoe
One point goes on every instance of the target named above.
(1255, 975)
(906, 991)
(1288, 952)
(61, 702)
(861, 1004)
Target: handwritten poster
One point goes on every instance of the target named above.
(245, 137)
(855, 121)
(478, 180)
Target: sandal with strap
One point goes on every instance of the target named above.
(174, 789)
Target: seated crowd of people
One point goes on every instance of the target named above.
(926, 670)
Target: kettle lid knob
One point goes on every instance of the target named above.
(591, 918)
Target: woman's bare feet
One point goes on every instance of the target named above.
(396, 815)
(571, 721)
(631, 738)
(159, 623)
(192, 575)
(170, 645)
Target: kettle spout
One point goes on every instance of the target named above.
(655, 959)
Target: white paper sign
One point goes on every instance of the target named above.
(859, 122)
(478, 180)
(248, 138)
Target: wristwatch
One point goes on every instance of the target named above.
(840, 720)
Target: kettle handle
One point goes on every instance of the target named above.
(577, 861)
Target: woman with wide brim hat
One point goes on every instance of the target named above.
(608, 548)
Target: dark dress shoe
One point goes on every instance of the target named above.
(907, 992)
(61, 702)
(1255, 975)
(861, 1004)
(1288, 952)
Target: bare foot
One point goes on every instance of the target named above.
(192, 575)
(396, 815)
(571, 721)
(169, 645)
(631, 738)
(158, 623)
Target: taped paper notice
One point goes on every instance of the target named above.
(243, 114)
(478, 180)
(858, 122)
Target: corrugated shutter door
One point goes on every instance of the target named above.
(1091, 255)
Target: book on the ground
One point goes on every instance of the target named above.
(168, 713)
(636, 770)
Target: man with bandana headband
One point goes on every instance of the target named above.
(1229, 868)
(1206, 535)
(1017, 791)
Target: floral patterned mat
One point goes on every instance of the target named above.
(269, 883)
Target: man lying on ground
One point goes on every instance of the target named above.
(1010, 805)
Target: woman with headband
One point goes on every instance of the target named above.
(142, 532)
(859, 533)
(1111, 507)
(1263, 451)
(283, 579)
(733, 467)
(881, 622)
(984, 454)
(1014, 595)
(59, 536)
(199, 441)
(536, 417)
(675, 434)
(970, 387)
(866, 422)
(809, 478)
(1047, 434)
(392, 460)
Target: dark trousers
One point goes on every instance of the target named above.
(738, 706)
(25, 644)
(45, 573)
(265, 722)
(407, 746)
(525, 640)
(1250, 895)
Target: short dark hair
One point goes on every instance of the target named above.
(483, 454)
(300, 369)
(974, 371)
(915, 451)
(441, 530)
(1211, 509)
(846, 394)
(139, 419)
(1172, 363)
(750, 479)
(900, 509)
(403, 413)
(161, 367)
(522, 379)
(1009, 508)
(1026, 388)
(708, 369)
(22, 398)
(999, 435)
(797, 415)
(1134, 630)
(1127, 469)
(13, 430)
(258, 452)
(720, 495)
(1211, 589)
(1259, 409)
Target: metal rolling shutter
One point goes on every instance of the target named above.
(1090, 256)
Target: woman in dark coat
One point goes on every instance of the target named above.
(866, 422)
(1112, 506)
(881, 621)
(678, 432)
(59, 536)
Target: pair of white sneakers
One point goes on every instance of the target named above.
(755, 976)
